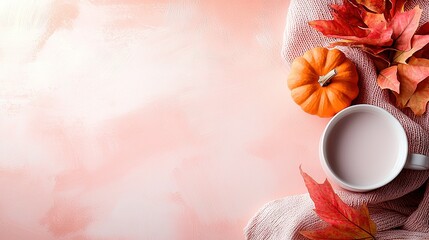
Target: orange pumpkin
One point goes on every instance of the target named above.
(323, 81)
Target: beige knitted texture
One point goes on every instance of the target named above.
(401, 208)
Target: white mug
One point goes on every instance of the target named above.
(364, 147)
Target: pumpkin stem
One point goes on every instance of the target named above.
(326, 79)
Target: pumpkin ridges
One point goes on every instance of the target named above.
(325, 105)
(341, 100)
(311, 104)
(299, 94)
(313, 85)
(338, 93)
(317, 59)
(347, 68)
(309, 67)
(307, 74)
(345, 88)
(334, 59)
(302, 80)
(340, 105)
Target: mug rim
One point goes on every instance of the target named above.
(402, 148)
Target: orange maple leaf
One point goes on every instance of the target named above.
(345, 222)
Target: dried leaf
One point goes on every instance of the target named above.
(397, 6)
(376, 6)
(423, 29)
(404, 25)
(339, 26)
(347, 22)
(421, 62)
(337, 29)
(378, 36)
(379, 58)
(409, 76)
(379, 55)
(424, 52)
(388, 79)
(373, 50)
(330, 233)
(354, 24)
(380, 63)
(381, 52)
(418, 42)
(352, 13)
(373, 20)
(420, 98)
(344, 221)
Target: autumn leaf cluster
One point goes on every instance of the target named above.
(393, 39)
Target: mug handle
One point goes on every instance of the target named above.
(417, 161)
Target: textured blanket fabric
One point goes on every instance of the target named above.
(401, 208)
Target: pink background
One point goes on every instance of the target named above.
(146, 119)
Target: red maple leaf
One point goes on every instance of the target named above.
(345, 222)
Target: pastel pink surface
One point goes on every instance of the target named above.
(146, 119)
